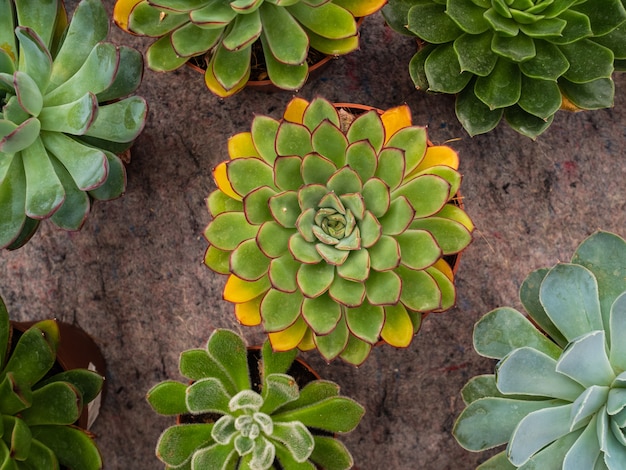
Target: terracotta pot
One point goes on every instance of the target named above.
(77, 350)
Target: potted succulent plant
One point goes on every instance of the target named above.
(521, 59)
(63, 121)
(558, 400)
(332, 232)
(43, 404)
(242, 410)
(230, 37)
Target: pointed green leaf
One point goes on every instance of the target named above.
(331, 454)
(73, 212)
(121, 121)
(168, 398)
(296, 437)
(356, 267)
(21, 137)
(229, 229)
(327, 20)
(302, 250)
(502, 87)
(585, 360)
(474, 52)
(274, 239)
(314, 279)
(231, 67)
(44, 191)
(277, 25)
(73, 447)
(248, 174)
(333, 343)
(366, 321)
(293, 139)
(474, 115)
(317, 169)
(248, 262)
(56, 403)
(443, 70)
(420, 291)
(361, 157)
(285, 208)
(229, 350)
(321, 314)
(115, 183)
(264, 130)
(177, 444)
(334, 414)
(391, 167)
(287, 173)
(280, 309)
(34, 57)
(207, 396)
(330, 142)
(430, 22)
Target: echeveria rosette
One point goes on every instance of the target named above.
(62, 119)
(333, 234)
(38, 407)
(226, 31)
(558, 400)
(251, 424)
(521, 59)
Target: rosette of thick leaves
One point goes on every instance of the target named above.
(515, 58)
(559, 401)
(333, 235)
(62, 121)
(226, 32)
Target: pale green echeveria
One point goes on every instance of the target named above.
(235, 421)
(559, 401)
(62, 122)
(38, 408)
(226, 31)
(515, 58)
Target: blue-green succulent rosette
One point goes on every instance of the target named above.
(557, 400)
(518, 59)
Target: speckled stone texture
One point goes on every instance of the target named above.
(134, 279)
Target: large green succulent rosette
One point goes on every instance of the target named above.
(559, 399)
(333, 232)
(63, 115)
(517, 59)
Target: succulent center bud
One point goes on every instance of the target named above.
(336, 225)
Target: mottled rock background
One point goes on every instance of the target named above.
(134, 279)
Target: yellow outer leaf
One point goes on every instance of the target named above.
(220, 176)
(445, 268)
(241, 146)
(122, 11)
(216, 87)
(360, 8)
(398, 328)
(395, 119)
(294, 112)
(249, 313)
(438, 155)
(290, 337)
(239, 291)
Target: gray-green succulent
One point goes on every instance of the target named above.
(38, 406)
(63, 115)
(515, 58)
(558, 395)
(247, 413)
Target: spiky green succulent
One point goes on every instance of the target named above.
(559, 401)
(515, 58)
(226, 33)
(254, 418)
(333, 233)
(62, 122)
(39, 406)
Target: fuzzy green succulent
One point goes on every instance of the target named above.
(225, 32)
(558, 400)
(515, 58)
(39, 406)
(333, 232)
(62, 119)
(242, 410)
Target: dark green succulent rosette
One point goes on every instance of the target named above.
(63, 115)
(518, 59)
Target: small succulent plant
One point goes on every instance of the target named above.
(247, 413)
(62, 122)
(521, 59)
(227, 32)
(558, 400)
(333, 232)
(39, 405)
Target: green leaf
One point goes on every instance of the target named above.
(177, 444)
(384, 254)
(331, 344)
(396, 15)
(88, 383)
(335, 414)
(420, 291)
(146, 20)
(245, 30)
(287, 460)
(330, 142)
(391, 167)
(468, 16)
(504, 329)
(321, 313)
(366, 321)
(569, 295)
(604, 16)
(248, 262)
(191, 40)
(293, 139)
(280, 309)
(34, 57)
(231, 67)
(18, 434)
(287, 174)
(413, 142)
(361, 157)
(474, 53)
(302, 250)
(229, 229)
(278, 24)
(89, 26)
(327, 20)
(418, 249)
(41, 456)
(518, 48)
(264, 130)
(526, 371)
(162, 57)
(545, 28)
(256, 205)
(585, 360)
(168, 398)
(430, 22)
(44, 191)
(318, 112)
(21, 137)
(73, 447)
(474, 115)
(28, 94)
(367, 126)
(230, 352)
(12, 201)
(115, 183)
(56, 403)
(451, 236)
(597, 94)
(526, 123)
(247, 174)
(216, 456)
(502, 87)
(376, 196)
(73, 118)
(207, 395)
(356, 267)
(285, 208)
(480, 386)
(588, 61)
(427, 194)
(314, 279)
(15, 397)
(490, 422)
(443, 70)
(295, 437)
(278, 389)
(331, 454)
(617, 327)
(316, 169)
(501, 24)
(541, 98)
(282, 273)
(121, 121)
(616, 41)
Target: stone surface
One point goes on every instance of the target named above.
(133, 277)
